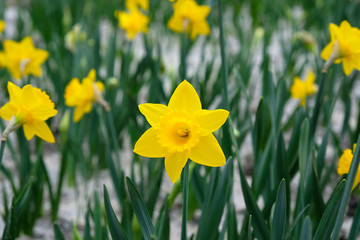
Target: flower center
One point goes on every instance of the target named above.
(178, 131)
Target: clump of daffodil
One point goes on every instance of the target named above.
(345, 163)
(301, 89)
(180, 131)
(189, 17)
(22, 59)
(2, 26)
(28, 107)
(131, 4)
(132, 22)
(344, 47)
(83, 95)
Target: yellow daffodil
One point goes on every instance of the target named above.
(83, 95)
(189, 17)
(180, 131)
(28, 107)
(302, 89)
(344, 47)
(2, 26)
(134, 4)
(22, 59)
(345, 163)
(132, 22)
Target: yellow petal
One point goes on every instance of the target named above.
(153, 112)
(208, 152)
(345, 162)
(357, 180)
(42, 130)
(148, 146)
(347, 66)
(174, 165)
(14, 92)
(8, 110)
(28, 131)
(211, 120)
(78, 113)
(185, 98)
(326, 52)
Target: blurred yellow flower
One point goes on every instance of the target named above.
(345, 163)
(2, 26)
(180, 131)
(132, 22)
(344, 47)
(28, 107)
(134, 4)
(302, 89)
(22, 59)
(83, 95)
(189, 17)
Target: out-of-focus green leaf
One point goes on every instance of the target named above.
(279, 217)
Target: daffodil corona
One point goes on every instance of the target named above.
(28, 107)
(344, 47)
(132, 22)
(180, 131)
(83, 95)
(302, 89)
(345, 163)
(190, 18)
(22, 59)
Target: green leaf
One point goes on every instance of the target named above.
(116, 230)
(261, 230)
(163, 223)
(76, 234)
(355, 226)
(327, 222)
(279, 217)
(141, 212)
(58, 233)
(306, 230)
(97, 216)
(213, 211)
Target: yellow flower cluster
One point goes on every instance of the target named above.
(189, 17)
(83, 95)
(22, 59)
(180, 131)
(302, 89)
(344, 47)
(345, 163)
(133, 21)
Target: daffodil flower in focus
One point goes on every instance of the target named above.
(132, 22)
(22, 59)
(28, 107)
(189, 17)
(302, 89)
(182, 130)
(83, 95)
(345, 163)
(344, 47)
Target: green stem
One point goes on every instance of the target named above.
(2, 148)
(346, 195)
(318, 103)
(183, 55)
(223, 58)
(185, 193)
